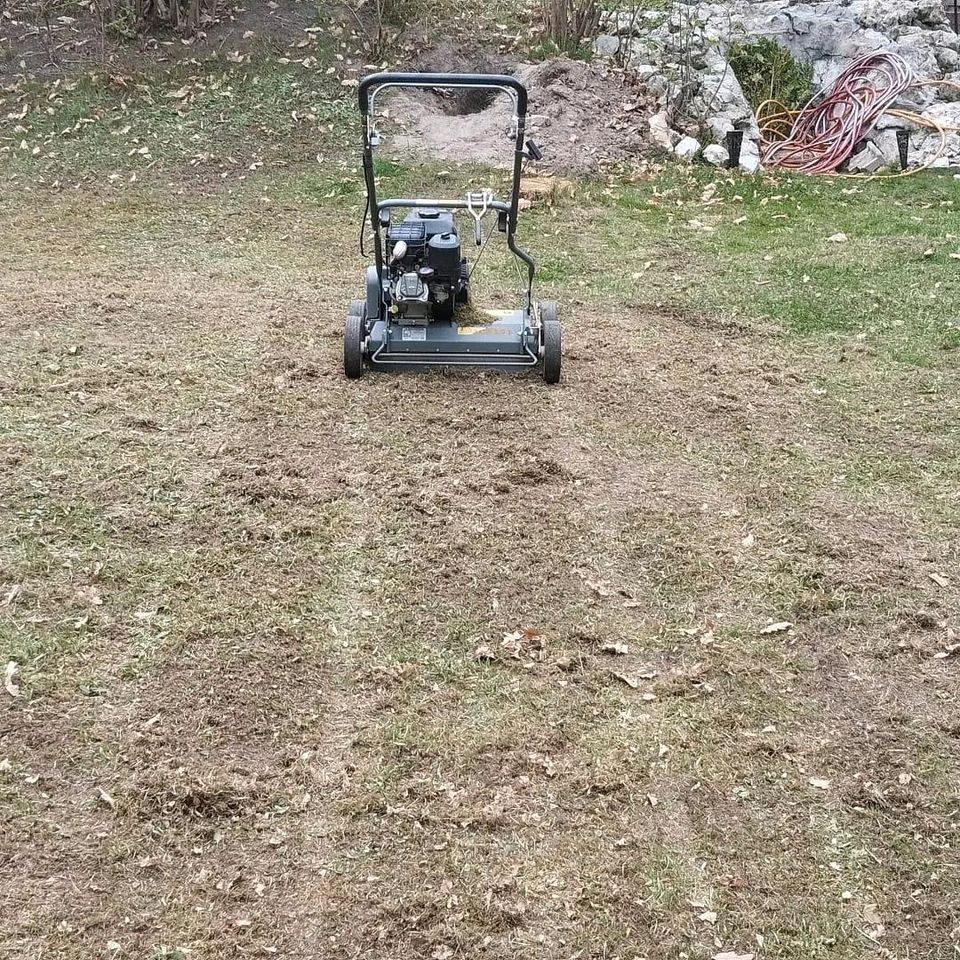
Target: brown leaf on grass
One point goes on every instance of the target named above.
(511, 644)
(11, 595)
(616, 648)
(871, 913)
(484, 652)
(8, 682)
(106, 798)
(781, 626)
(732, 955)
(631, 682)
(524, 638)
(821, 783)
(89, 596)
(939, 579)
(599, 588)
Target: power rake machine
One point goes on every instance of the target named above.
(418, 287)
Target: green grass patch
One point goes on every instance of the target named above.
(216, 114)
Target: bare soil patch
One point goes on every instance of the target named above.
(587, 116)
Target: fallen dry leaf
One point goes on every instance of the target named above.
(89, 596)
(939, 579)
(599, 588)
(778, 627)
(511, 643)
(838, 238)
(871, 913)
(628, 680)
(8, 682)
(619, 649)
(708, 916)
(733, 955)
(12, 595)
(820, 783)
(484, 652)
(106, 798)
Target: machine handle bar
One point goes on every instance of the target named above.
(434, 81)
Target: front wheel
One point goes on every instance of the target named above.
(353, 345)
(551, 341)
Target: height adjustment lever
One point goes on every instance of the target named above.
(477, 206)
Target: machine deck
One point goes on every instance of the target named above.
(500, 343)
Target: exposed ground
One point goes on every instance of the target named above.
(592, 115)
(463, 666)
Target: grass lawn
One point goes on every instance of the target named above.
(657, 663)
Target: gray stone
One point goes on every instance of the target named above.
(869, 160)
(661, 133)
(716, 155)
(606, 45)
(750, 156)
(687, 148)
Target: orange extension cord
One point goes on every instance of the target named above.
(823, 135)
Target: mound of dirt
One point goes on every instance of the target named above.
(586, 116)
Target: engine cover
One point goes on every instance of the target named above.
(412, 298)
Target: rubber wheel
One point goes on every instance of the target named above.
(550, 327)
(353, 344)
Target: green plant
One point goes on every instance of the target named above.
(768, 71)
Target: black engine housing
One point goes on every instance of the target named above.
(433, 255)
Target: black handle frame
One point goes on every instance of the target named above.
(428, 81)
(440, 81)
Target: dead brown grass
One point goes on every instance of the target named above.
(274, 733)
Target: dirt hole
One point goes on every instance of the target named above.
(462, 103)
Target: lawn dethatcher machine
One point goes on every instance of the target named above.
(418, 287)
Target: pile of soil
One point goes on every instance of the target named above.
(585, 116)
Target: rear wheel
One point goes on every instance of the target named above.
(353, 340)
(550, 333)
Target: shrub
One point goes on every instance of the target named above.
(125, 17)
(568, 23)
(767, 71)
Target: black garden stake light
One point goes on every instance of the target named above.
(734, 146)
(903, 145)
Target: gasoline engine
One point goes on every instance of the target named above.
(427, 275)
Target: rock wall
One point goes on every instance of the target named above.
(686, 47)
